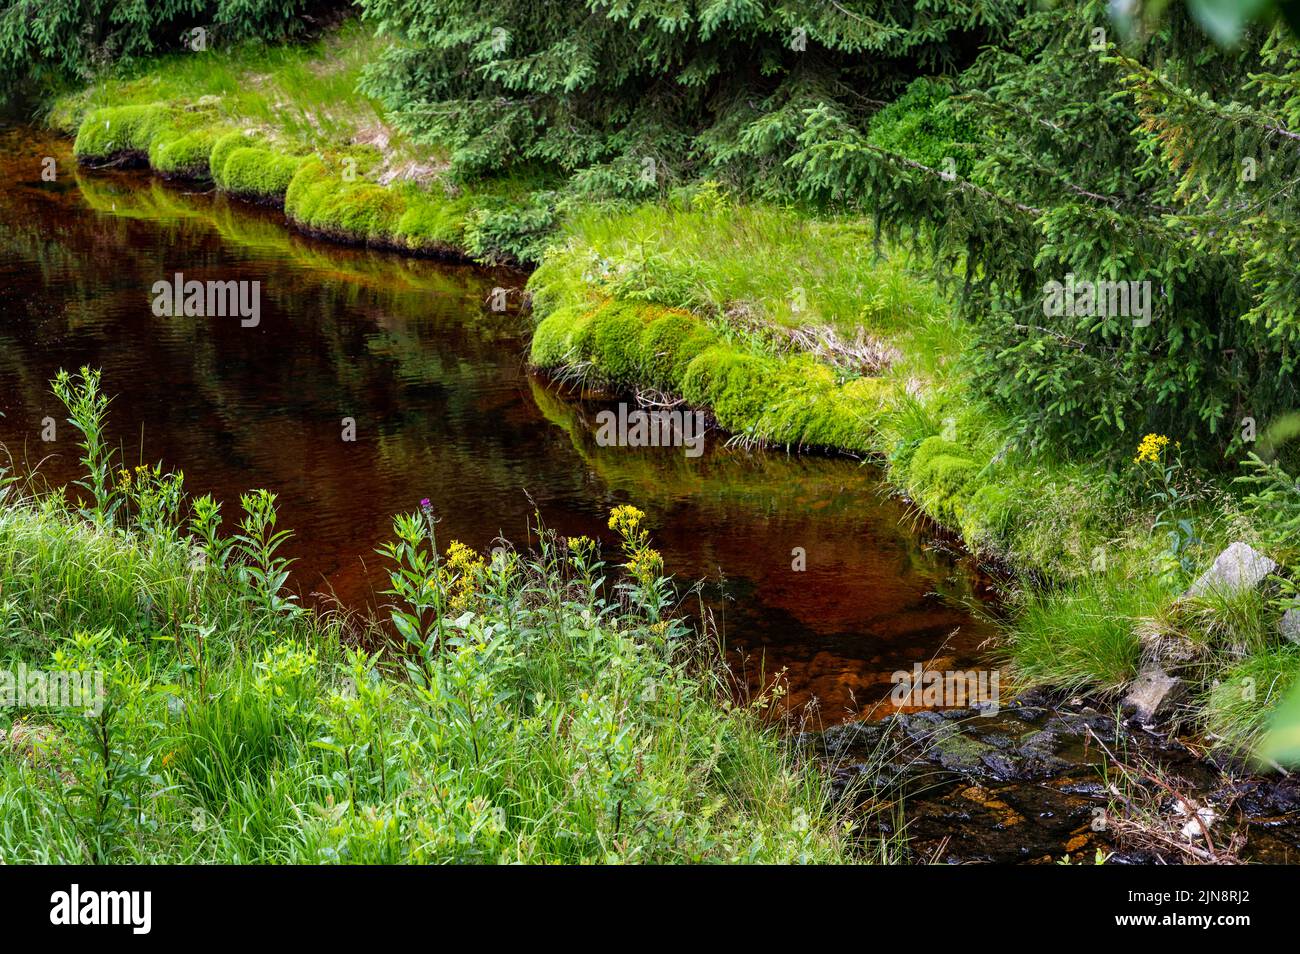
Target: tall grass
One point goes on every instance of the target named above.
(1085, 636)
(704, 252)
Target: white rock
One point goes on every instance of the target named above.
(1289, 626)
(1199, 825)
(1240, 567)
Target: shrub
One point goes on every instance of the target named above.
(509, 231)
(922, 125)
(70, 39)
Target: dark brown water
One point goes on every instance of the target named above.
(444, 408)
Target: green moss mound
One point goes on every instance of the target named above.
(616, 329)
(940, 471)
(670, 341)
(988, 516)
(551, 347)
(564, 338)
(260, 174)
(187, 155)
(324, 202)
(431, 222)
(122, 130)
(737, 385)
(223, 147)
(846, 416)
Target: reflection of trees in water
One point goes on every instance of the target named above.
(841, 504)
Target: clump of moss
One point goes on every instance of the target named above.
(122, 131)
(616, 329)
(222, 148)
(987, 517)
(799, 389)
(551, 347)
(938, 473)
(259, 174)
(359, 211)
(670, 341)
(846, 416)
(565, 337)
(431, 222)
(737, 385)
(185, 156)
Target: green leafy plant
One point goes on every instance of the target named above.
(87, 407)
(261, 568)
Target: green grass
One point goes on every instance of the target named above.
(1238, 710)
(698, 296)
(549, 727)
(542, 706)
(704, 252)
(1084, 637)
(308, 91)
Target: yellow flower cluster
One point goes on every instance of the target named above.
(581, 547)
(1151, 448)
(646, 564)
(626, 519)
(466, 565)
(124, 477)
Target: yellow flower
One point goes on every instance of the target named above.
(581, 549)
(466, 564)
(124, 479)
(646, 564)
(625, 519)
(1151, 448)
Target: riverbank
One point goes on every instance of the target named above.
(285, 127)
(793, 330)
(533, 714)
